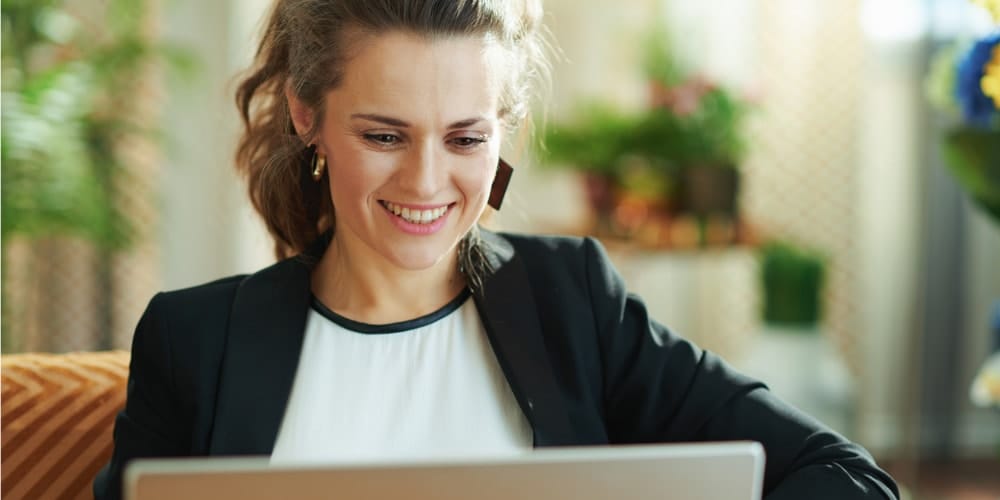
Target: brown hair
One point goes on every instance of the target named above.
(304, 45)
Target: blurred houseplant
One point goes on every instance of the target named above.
(70, 101)
(985, 388)
(792, 281)
(964, 82)
(666, 175)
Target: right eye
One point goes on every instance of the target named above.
(382, 139)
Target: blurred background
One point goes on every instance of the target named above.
(809, 188)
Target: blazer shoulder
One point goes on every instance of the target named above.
(191, 316)
(544, 245)
(560, 261)
(545, 252)
(209, 294)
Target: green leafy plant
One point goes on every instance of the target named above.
(964, 83)
(68, 103)
(973, 156)
(73, 81)
(710, 134)
(792, 280)
(678, 157)
(689, 122)
(602, 140)
(595, 141)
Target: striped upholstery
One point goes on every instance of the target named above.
(58, 413)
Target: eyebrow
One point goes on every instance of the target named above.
(396, 122)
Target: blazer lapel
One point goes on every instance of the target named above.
(263, 345)
(510, 316)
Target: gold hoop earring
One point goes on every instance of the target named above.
(318, 166)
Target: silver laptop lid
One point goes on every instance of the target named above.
(708, 471)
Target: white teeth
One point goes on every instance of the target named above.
(416, 216)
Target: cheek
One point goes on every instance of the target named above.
(348, 186)
(345, 185)
(356, 174)
(475, 181)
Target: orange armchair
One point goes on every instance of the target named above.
(58, 413)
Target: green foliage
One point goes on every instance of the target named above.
(689, 123)
(939, 86)
(711, 135)
(608, 142)
(970, 147)
(595, 142)
(973, 156)
(48, 183)
(67, 102)
(659, 62)
(792, 279)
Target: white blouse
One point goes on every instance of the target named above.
(428, 387)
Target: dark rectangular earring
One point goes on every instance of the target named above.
(500, 182)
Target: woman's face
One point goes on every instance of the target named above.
(412, 139)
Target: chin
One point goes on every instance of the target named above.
(418, 259)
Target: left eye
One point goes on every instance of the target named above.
(466, 142)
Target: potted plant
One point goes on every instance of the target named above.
(792, 282)
(64, 123)
(701, 134)
(964, 83)
(792, 354)
(664, 174)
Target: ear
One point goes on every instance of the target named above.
(302, 116)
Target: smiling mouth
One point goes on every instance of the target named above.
(416, 216)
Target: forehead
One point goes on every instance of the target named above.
(422, 77)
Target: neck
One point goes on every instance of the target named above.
(371, 289)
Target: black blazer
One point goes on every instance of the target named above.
(212, 368)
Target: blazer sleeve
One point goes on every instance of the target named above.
(662, 388)
(148, 426)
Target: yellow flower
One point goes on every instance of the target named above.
(990, 82)
(993, 6)
(985, 390)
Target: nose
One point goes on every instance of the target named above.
(422, 174)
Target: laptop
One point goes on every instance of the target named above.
(706, 471)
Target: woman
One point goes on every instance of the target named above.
(394, 326)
